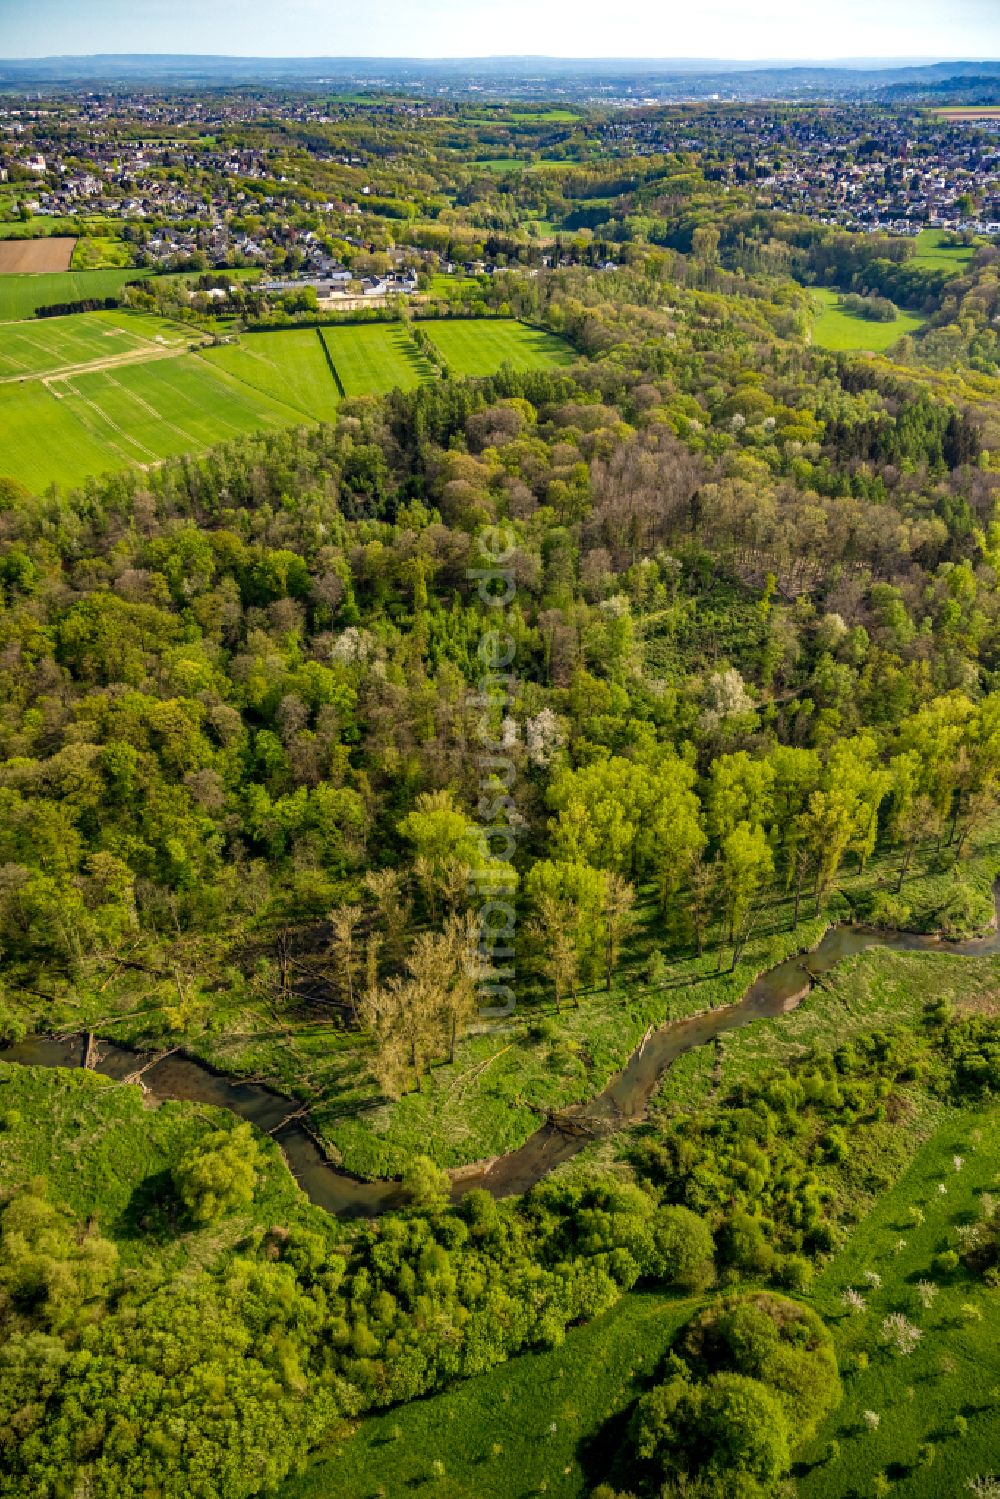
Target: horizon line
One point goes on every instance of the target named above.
(863, 60)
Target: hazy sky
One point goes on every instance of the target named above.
(476, 28)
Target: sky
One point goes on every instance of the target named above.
(731, 29)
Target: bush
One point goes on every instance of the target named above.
(684, 1249)
(219, 1175)
(731, 1424)
(428, 1186)
(775, 1340)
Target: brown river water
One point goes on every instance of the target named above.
(623, 1101)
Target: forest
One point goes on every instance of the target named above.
(429, 764)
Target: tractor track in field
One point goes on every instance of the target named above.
(94, 366)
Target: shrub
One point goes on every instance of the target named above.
(429, 1187)
(770, 1338)
(218, 1175)
(684, 1249)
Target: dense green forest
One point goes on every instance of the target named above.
(424, 763)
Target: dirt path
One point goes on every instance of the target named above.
(92, 366)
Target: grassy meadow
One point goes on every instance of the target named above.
(373, 358)
(140, 413)
(289, 366)
(479, 346)
(104, 1153)
(544, 1423)
(947, 1391)
(97, 252)
(45, 344)
(841, 331)
(22, 295)
(934, 252)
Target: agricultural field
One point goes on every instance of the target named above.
(373, 358)
(22, 295)
(842, 331)
(31, 256)
(63, 431)
(94, 391)
(480, 346)
(290, 366)
(968, 112)
(44, 345)
(935, 1406)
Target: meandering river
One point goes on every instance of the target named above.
(623, 1101)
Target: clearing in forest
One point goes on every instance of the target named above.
(839, 330)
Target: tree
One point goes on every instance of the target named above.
(555, 929)
(702, 898)
(728, 1426)
(393, 905)
(219, 1174)
(684, 1248)
(417, 1016)
(426, 1185)
(616, 909)
(442, 836)
(345, 949)
(746, 863)
(920, 820)
(630, 816)
(445, 966)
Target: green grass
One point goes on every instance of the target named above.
(479, 346)
(955, 1369)
(374, 358)
(500, 164)
(99, 252)
(841, 331)
(933, 252)
(290, 366)
(45, 344)
(103, 1153)
(37, 226)
(545, 116)
(138, 413)
(66, 428)
(878, 990)
(21, 295)
(516, 1431)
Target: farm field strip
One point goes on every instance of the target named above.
(36, 256)
(44, 346)
(375, 358)
(22, 295)
(480, 346)
(290, 366)
(141, 412)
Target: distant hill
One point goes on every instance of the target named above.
(524, 77)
